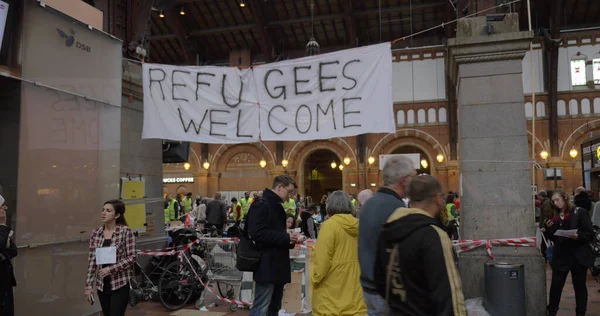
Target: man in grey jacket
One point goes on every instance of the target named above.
(397, 173)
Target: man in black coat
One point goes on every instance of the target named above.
(8, 250)
(216, 213)
(266, 222)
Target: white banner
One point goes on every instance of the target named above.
(200, 104)
(344, 93)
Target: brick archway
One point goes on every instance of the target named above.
(262, 148)
(416, 142)
(298, 159)
(340, 144)
(223, 159)
(429, 144)
(577, 136)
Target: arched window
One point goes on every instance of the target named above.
(585, 106)
(431, 116)
(400, 119)
(597, 105)
(528, 109)
(561, 108)
(410, 117)
(540, 109)
(443, 116)
(573, 110)
(421, 116)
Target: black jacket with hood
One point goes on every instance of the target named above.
(414, 268)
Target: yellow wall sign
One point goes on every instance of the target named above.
(598, 152)
(135, 214)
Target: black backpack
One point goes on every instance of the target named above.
(248, 252)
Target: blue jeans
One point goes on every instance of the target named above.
(376, 305)
(267, 299)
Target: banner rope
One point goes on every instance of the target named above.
(467, 244)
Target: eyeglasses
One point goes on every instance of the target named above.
(289, 191)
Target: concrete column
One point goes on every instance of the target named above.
(493, 154)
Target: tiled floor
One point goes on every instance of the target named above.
(567, 303)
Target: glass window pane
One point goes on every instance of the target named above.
(578, 72)
(596, 70)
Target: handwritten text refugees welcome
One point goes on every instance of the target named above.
(332, 95)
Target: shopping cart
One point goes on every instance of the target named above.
(222, 278)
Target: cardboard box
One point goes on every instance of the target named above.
(292, 294)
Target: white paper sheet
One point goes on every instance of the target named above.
(565, 233)
(106, 255)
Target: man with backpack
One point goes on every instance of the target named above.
(414, 267)
(266, 227)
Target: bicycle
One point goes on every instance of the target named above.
(181, 279)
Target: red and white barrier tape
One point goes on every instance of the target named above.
(466, 245)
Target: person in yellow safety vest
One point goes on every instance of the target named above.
(353, 200)
(290, 207)
(452, 214)
(236, 209)
(172, 205)
(245, 203)
(167, 212)
(187, 203)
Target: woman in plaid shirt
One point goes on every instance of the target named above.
(112, 280)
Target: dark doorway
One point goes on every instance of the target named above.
(319, 176)
(409, 149)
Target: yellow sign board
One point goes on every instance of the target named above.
(135, 214)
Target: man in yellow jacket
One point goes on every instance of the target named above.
(335, 271)
(245, 203)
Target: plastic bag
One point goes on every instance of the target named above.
(475, 307)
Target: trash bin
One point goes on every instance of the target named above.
(504, 289)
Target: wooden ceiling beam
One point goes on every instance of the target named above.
(180, 35)
(334, 16)
(350, 23)
(266, 34)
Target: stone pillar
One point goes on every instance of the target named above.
(201, 183)
(493, 157)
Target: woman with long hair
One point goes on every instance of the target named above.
(570, 253)
(114, 245)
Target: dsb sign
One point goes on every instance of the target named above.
(83, 47)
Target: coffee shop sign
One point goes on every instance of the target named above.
(178, 180)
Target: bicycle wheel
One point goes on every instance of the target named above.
(176, 285)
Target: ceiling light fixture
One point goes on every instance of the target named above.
(242, 4)
(161, 14)
(182, 12)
